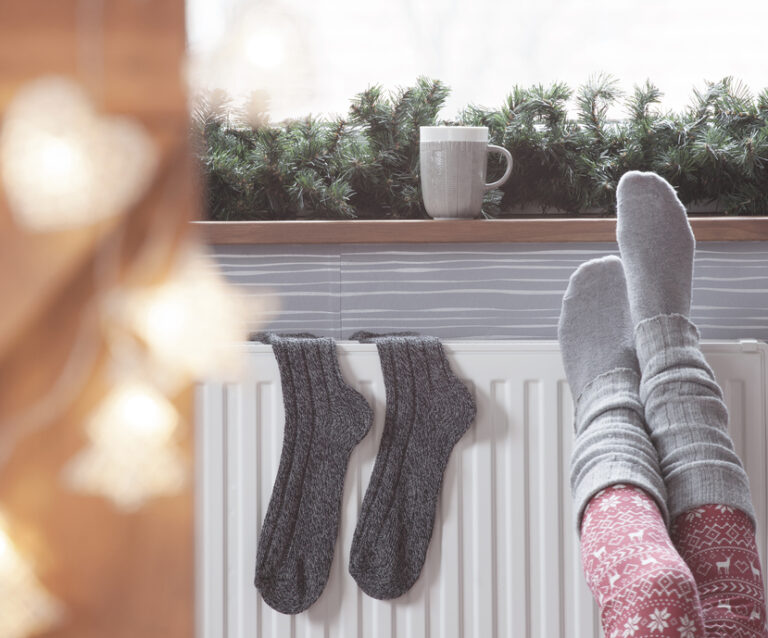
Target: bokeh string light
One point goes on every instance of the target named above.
(132, 455)
(189, 321)
(64, 177)
(166, 336)
(25, 606)
(64, 165)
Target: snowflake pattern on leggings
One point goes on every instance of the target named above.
(718, 544)
(642, 585)
(701, 580)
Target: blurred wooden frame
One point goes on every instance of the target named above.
(117, 575)
(497, 231)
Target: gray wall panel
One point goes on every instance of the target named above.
(470, 291)
(305, 281)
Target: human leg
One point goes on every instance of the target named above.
(707, 487)
(642, 585)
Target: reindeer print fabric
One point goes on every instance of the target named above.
(702, 580)
(718, 544)
(642, 585)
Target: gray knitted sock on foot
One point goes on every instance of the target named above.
(611, 444)
(656, 244)
(324, 420)
(595, 329)
(428, 410)
(684, 408)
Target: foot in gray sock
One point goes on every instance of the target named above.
(684, 408)
(611, 444)
(656, 244)
(324, 420)
(428, 410)
(595, 329)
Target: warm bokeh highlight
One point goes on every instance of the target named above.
(114, 573)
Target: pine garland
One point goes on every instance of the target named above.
(366, 165)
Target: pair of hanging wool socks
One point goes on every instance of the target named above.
(428, 409)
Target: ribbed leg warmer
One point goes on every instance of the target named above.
(611, 444)
(687, 418)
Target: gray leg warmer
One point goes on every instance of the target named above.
(595, 333)
(612, 445)
(687, 418)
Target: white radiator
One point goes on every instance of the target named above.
(504, 559)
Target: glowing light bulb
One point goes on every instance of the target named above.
(63, 165)
(26, 608)
(191, 322)
(60, 159)
(133, 415)
(132, 457)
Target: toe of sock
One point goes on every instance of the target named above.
(589, 285)
(641, 183)
(644, 195)
(592, 275)
(595, 328)
(656, 244)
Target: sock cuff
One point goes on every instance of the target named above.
(304, 360)
(271, 337)
(611, 444)
(708, 482)
(660, 334)
(365, 336)
(617, 388)
(625, 471)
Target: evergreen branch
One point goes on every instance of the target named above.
(367, 164)
(593, 101)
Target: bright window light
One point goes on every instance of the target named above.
(482, 48)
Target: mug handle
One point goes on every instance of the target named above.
(492, 148)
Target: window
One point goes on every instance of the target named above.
(312, 57)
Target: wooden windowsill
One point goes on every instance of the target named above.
(464, 231)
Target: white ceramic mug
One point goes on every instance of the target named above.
(453, 162)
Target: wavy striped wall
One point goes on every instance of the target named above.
(470, 291)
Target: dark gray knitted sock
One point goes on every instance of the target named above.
(324, 419)
(428, 410)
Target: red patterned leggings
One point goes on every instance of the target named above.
(700, 580)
